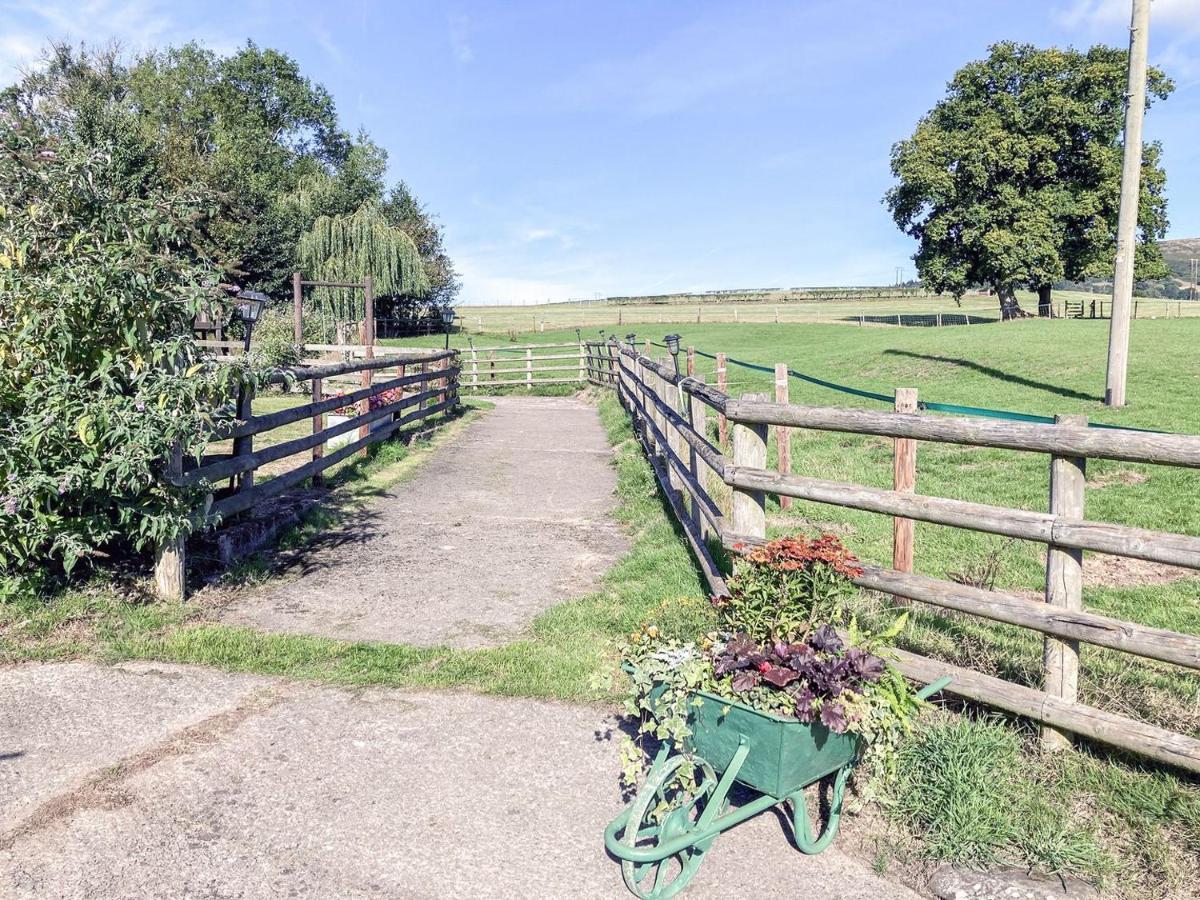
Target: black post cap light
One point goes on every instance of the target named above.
(448, 316)
(249, 306)
(672, 343)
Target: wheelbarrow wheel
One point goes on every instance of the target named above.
(667, 808)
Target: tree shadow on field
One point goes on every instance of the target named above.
(998, 374)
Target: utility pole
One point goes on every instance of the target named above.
(1131, 172)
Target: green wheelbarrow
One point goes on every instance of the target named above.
(662, 835)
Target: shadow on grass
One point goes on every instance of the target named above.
(998, 374)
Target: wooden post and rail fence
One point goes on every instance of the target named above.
(385, 398)
(686, 460)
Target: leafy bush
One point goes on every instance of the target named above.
(100, 377)
(783, 588)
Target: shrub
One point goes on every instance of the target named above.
(100, 376)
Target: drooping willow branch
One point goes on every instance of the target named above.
(348, 248)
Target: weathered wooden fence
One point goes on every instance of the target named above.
(671, 411)
(530, 366)
(376, 398)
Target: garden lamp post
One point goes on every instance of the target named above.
(247, 310)
(448, 321)
(631, 337)
(578, 336)
(673, 348)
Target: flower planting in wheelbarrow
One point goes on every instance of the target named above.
(787, 691)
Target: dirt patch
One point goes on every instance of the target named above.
(1102, 570)
(1117, 476)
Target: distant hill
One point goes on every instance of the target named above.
(1176, 252)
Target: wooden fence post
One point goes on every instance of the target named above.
(904, 479)
(723, 387)
(691, 362)
(318, 425)
(749, 451)
(528, 368)
(1064, 583)
(170, 564)
(244, 445)
(368, 339)
(298, 310)
(474, 369)
(783, 434)
(423, 385)
(583, 365)
(699, 421)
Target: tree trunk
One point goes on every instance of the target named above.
(1044, 307)
(1009, 308)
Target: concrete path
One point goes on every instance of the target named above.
(509, 518)
(150, 780)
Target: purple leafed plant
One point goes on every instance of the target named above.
(816, 673)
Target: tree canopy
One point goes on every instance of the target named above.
(1013, 179)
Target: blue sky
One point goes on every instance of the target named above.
(572, 149)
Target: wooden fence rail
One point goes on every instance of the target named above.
(658, 401)
(375, 412)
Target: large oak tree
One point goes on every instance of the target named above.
(1013, 179)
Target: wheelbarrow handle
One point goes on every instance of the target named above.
(933, 687)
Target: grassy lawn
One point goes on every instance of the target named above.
(492, 322)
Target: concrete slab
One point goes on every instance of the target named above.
(506, 520)
(312, 791)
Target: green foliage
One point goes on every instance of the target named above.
(98, 286)
(348, 248)
(784, 589)
(1014, 178)
(966, 787)
(249, 126)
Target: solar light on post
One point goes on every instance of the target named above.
(448, 321)
(248, 310)
(673, 348)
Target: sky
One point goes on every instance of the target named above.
(582, 149)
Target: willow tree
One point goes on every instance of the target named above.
(348, 248)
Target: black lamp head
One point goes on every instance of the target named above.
(672, 343)
(448, 316)
(249, 306)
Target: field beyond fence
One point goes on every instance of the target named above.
(690, 453)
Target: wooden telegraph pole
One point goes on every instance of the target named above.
(1131, 171)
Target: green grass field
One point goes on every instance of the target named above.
(500, 320)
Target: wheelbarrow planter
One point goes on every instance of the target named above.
(662, 835)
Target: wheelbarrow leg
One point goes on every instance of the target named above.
(803, 831)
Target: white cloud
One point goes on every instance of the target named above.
(460, 37)
(135, 25)
(1097, 14)
(1174, 30)
(325, 41)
